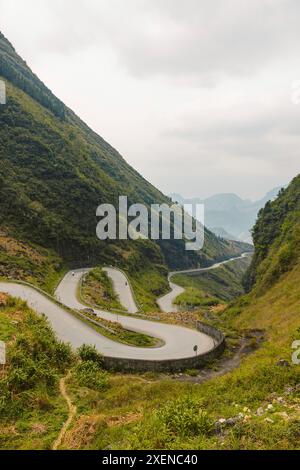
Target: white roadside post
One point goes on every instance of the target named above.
(2, 353)
(2, 92)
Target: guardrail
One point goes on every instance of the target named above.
(140, 365)
(171, 365)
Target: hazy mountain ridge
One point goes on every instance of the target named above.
(229, 213)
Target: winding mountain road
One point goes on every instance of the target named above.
(122, 288)
(178, 342)
(166, 304)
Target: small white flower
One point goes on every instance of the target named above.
(269, 420)
(260, 411)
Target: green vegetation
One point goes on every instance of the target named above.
(116, 332)
(175, 420)
(89, 353)
(276, 237)
(89, 375)
(31, 411)
(97, 289)
(89, 372)
(194, 298)
(131, 338)
(29, 262)
(218, 285)
(148, 285)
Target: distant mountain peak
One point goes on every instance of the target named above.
(230, 214)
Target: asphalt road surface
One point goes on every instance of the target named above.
(166, 304)
(177, 342)
(123, 289)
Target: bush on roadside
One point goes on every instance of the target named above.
(90, 375)
(35, 361)
(90, 353)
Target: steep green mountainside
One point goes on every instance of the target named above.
(224, 283)
(277, 239)
(54, 173)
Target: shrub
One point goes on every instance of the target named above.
(90, 354)
(88, 374)
(185, 418)
(35, 361)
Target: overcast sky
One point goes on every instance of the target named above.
(195, 94)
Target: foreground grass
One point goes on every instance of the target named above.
(126, 416)
(31, 410)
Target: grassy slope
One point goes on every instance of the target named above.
(224, 283)
(148, 285)
(30, 262)
(31, 410)
(97, 289)
(276, 236)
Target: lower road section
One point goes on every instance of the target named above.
(178, 342)
(166, 303)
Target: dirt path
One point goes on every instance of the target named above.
(71, 415)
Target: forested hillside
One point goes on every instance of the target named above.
(54, 173)
(277, 238)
